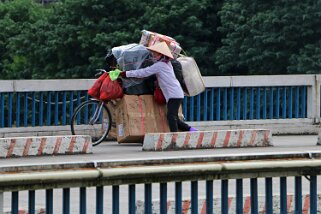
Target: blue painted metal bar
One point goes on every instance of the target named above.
(290, 103)
(148, 199)
(25, 111)
(64, 108)
(218, 104)
(56, 108)
(304, 97)
(185, 107)
(99, 200)
(10, 110)
(116, 199)
(178, 197)
(48, 108)
(283, 195)
(297, 101)
(194, 197)
(198, 108)
(224, 196)
(49, 201)
(277, 103)
(31, 201)
(284, 105)
(205, 109)
(131, 199)
(225, 104)
(41, 109)
(245, 103)
(252, 103)
(239, 196)
(15, 202)
(66, 201)
(258, 103)
(82, 200)
(313, 194)
(271, 103)
(191, 109)
(212, 105)
(232, 104)
(298, 195)
(18, 110)
(1, 110)
(254, 196)
(78, 103)
(264, 103)
(33, 109)
(238, 104)
(268, 196)
(209, 197)
(71, 105)
(163, 198)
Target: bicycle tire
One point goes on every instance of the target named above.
(80, 121)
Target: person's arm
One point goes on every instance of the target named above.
(143, 72)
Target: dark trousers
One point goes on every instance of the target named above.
(174, 122)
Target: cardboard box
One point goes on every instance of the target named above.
(137, 115)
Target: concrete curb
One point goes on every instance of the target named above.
(186, 205)
(46, 145)
(207, 139)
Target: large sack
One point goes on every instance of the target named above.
(192, 76)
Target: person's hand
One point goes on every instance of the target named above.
(123, 74)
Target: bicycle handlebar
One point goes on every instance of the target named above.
(101, 71)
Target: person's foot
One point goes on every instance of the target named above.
(192, 129)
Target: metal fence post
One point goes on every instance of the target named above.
(1, 202)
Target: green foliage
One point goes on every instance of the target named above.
(69, 38)
(269, 37)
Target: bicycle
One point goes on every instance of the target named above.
(92, 118)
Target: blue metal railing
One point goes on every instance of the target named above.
(247, 103)
(54, 108)
(179, 205)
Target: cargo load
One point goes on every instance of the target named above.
(132, 57)
(149, 38)
(138, 115)
(192, 76)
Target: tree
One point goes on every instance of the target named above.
(15, 17)
(271, 37)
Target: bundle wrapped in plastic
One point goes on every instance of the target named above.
(132, 56)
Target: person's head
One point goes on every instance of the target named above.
(157, 56)
(160, 50)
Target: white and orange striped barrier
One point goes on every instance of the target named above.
(207, 139)
(44, 145)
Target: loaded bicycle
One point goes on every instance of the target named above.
(92, 118)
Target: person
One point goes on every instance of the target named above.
(168, 83)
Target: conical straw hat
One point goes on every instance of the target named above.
(161, 48)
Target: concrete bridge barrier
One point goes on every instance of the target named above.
(207, 139)
(45, 145)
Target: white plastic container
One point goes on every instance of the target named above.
(192, 76)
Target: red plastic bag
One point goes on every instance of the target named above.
(94, 91)
(110, 90)
(159, 96)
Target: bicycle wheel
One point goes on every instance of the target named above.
(91, 118)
